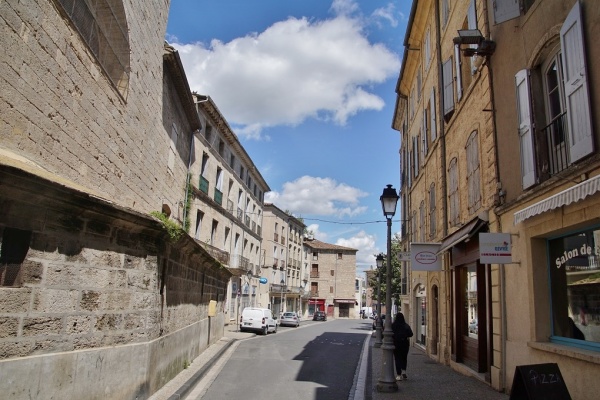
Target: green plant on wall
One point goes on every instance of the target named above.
(173, 228)
(188, 202)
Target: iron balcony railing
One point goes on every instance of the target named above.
(556, 134)
(230, 206)
(218, 254)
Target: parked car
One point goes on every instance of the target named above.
(289, 319)
(257, 319)
(319, 316)
(473, 326)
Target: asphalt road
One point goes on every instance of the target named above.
(317, 361)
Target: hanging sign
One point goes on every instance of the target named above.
(494, 248)
(263, 280)
(424, 257)
(404, 256)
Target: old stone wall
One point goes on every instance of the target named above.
(87, 286)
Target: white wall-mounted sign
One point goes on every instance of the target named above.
(495, 248)
(404, 256)
(424, 257)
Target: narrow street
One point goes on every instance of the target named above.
(316, 361)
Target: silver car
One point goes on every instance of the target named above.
(289, 319)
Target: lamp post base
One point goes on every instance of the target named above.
(387, 387)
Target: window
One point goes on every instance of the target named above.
(448, 89)
(473, 179)
(315, 256)
(330, 289)
(339, 256)
(505, 10)
(221, 148)
(172, 148)
(427, 48)
(422, 221)
(445, 11)
(332, 272)
(433, 125)
(219, 179)
(414, 226)
(203, 184)
(416, 156)
(453, 198)
(426, 135)
(561, 80)
(208, 134)
(213, 232)
(419, 84)
(432, 211)
(103, 27)
(199, 216)
(574, 265)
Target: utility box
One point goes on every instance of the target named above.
(212, 308)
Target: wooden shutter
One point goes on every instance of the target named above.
(581, 142)
(448, 87)
(459, 89)
(525, 129)
(505, 10)
(432, 108)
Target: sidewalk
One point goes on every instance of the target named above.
(427, 379)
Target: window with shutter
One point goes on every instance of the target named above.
(505, 10)
(459, 88)
(528, 173)
(432, 211)
(448, 88)
(453, 199)
(576, 89)
(433, 127)
(473, 173)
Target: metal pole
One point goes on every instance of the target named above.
(378, 327)
(387, 380)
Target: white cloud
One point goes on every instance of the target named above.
(317, 234)
(295, 70)
(318, 196)
(365, 244)
(386, 13)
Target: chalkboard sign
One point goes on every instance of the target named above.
(539, 381)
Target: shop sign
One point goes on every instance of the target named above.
(263, 280)
(495, 248)
(424, 257)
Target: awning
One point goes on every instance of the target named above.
(462, 234)
(564, 198)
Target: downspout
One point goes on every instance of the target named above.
(503, 324)
(444, 183)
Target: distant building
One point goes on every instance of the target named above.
(332, 278)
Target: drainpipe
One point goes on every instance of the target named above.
(503, 323)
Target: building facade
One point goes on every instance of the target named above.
(226, 195)
(287, 276)
(97, 277)
(496, 115)
(332, 278)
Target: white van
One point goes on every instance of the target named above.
(257, 319)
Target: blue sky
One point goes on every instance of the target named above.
(308, 86)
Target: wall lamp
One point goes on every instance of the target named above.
(484, 47)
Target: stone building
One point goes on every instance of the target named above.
(226, 206)
(96, 124)
(448, 181)
(496, 114)
(546, 71)
(284, 270)
(332, 278)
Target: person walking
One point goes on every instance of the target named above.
(402, 332)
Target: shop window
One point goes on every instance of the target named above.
(575, 289)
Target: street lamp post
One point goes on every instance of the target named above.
(281, 301)
(249, 276)
(387, 380)
(378, 321)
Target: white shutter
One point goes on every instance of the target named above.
(433, 116)
(448, 87)
(459, 88)
(576, 90)
(472, 24)
(425, 138)
(525, 128)
(505, 10)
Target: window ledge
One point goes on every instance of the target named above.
(568, 351)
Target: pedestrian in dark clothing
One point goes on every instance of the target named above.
(402, 332)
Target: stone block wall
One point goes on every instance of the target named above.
(97, 282)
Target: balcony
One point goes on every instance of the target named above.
(230, 206)
(276, 237)
(314, 293)
(243, 263)
(557, 147)
(203, 185)
(240, 213)
(314, 274)
(216, 253)
(247, 221)
(218, 197)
